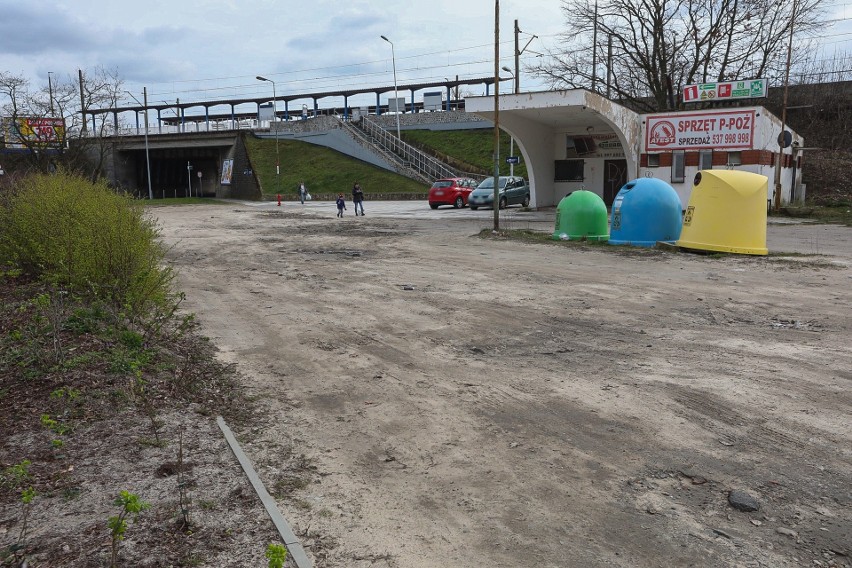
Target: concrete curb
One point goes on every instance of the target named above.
(294, 547)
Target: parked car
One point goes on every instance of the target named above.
(451, 191)
(513, 190)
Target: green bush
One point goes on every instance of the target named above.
(84, 237)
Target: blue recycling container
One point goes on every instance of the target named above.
(645, 210)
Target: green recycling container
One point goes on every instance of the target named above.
(581, 216)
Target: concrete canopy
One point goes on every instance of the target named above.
(540, 121)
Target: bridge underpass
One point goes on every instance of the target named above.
(169, 157)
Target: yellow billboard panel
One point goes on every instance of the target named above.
(31, 132)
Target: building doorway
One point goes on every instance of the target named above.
(615, 176)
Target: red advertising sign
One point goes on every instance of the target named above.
(33, 132)
(732, 129)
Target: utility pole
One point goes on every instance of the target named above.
(595, 50)
(496, 115)
(512, 139)
(82, 99)
(50, 91)
(518, 53)
(517, 60)
(147, 156)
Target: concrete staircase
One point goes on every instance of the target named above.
(409, 161)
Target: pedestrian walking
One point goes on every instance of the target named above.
(341, 205)
(303, 191)
(358, 198)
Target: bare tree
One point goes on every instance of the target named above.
(19, 104)
(101, 88)
(78, 149)
(660, 45)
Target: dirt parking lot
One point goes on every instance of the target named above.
(434, 398)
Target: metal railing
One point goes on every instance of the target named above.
(400, 166)
(420, 162)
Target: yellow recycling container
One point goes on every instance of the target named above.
(726, 213)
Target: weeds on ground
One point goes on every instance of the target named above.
(277, 555)
(17, 478)
(839, 212)
(131, 506)
(184, 499)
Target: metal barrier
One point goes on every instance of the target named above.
(414, 159)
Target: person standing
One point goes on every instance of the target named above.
(303, 191)
(358, 198)
(341, 205)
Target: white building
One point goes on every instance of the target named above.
(576, 139)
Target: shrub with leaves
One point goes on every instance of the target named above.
(16, 477)
(276, 554)
(131, 505)
(85, 237)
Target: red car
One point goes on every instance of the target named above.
(451, 191)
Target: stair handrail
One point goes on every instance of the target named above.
(417, 159)
(403, 167)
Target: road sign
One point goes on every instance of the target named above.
(726, 90)
(513, 160)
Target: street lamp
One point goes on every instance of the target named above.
(274, 116)
(147, 156)
(395, 92)
(512, 138)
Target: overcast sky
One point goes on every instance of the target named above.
(208, 49)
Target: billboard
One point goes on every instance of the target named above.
(30, 132)
(227, 171)
(725, 90)
(733, 129)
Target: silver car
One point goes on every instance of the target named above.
(513, 190)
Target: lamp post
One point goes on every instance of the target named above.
(395, 91)
(147, 155)
(274, 116)
(512, 139)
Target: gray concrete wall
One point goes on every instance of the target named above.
(244, 182)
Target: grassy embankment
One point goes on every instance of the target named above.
(324, 171)
(473, 147)
(328, 172)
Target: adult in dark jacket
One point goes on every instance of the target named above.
(358, 198)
